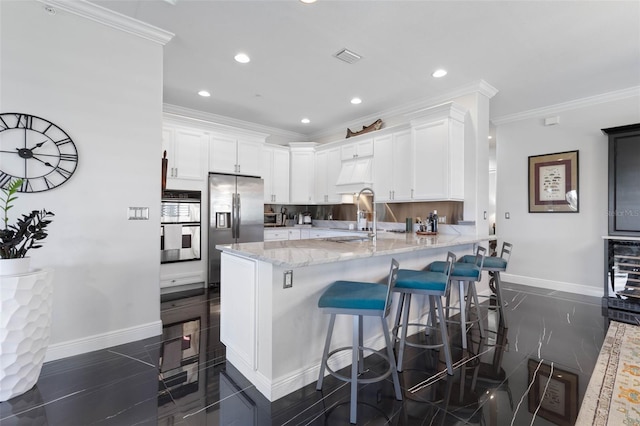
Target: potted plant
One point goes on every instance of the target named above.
(17, 239)
(25, 299)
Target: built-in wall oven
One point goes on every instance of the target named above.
(180, 226)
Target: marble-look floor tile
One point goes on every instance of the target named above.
(181, 378)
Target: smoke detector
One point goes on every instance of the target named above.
(348, 56)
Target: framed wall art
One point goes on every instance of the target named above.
(554, 393)
(553, 183)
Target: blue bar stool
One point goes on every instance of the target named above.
(468, 273)
(359, 299)
(431, 284)
(496, 265)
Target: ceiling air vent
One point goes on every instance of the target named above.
(348, 56)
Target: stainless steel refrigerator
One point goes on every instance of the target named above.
(236, 206)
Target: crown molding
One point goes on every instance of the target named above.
(214, 122)
(565, 106)
(112, 19)
(479, 86)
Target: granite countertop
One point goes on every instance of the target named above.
(296, 253)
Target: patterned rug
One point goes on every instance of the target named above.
(613, 395)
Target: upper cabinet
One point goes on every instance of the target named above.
(438, 153)
(186, 149)
(392, 167)
(353, 150)
(302, 172)
(275, 172)
(235, 155)
(624, 174)
(327, 170)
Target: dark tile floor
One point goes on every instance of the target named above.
(182, 378)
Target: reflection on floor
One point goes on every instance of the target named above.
(182, 378)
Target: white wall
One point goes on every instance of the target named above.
(560, 251)
(104, 88)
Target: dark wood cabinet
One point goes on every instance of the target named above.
(624, 180)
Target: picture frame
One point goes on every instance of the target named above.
(553, 183)
(559, 404)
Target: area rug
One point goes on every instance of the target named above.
(613, 395)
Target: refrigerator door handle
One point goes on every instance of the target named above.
(234, 215)
(238, 215)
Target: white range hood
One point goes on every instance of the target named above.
(354, 175)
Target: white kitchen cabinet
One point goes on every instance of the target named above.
(302, 172)
(438, 153)
(392, 167)
(293, 234)
(327, 170)
(280, 234)
(362, 148)
(235, 155)
(275, 172)
(185, 149)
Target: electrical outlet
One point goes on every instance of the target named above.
(288, 279)
(507, 215)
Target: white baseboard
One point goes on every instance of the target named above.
(553, 285)
(102, 341)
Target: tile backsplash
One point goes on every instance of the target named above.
(386, 212)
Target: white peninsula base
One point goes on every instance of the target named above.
(273, 335)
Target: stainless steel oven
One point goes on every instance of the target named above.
(180, 226)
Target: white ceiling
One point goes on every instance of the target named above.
(535, 53)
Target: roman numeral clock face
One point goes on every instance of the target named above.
(36, 151)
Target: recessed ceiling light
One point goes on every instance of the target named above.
(439, 73)
(243, 58)
(204, 93)
(305, 121)
(307, 1)
(356, 101)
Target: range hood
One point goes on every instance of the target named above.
(354, 175)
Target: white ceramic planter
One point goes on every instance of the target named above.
(14, 266)
(25, 323)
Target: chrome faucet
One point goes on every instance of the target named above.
(373, 235)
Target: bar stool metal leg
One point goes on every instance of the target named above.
(474, 294)
(503, 317)
(355, 366)
(325, 352)
(396, 380)
(463, 313)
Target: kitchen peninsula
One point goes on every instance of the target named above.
(270, 323)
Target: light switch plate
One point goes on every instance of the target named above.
(138, 213)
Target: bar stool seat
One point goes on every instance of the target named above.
(469, 273)
(359, 299)
(496, 265)
(434, 285)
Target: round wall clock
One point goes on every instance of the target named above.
(35, 150)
